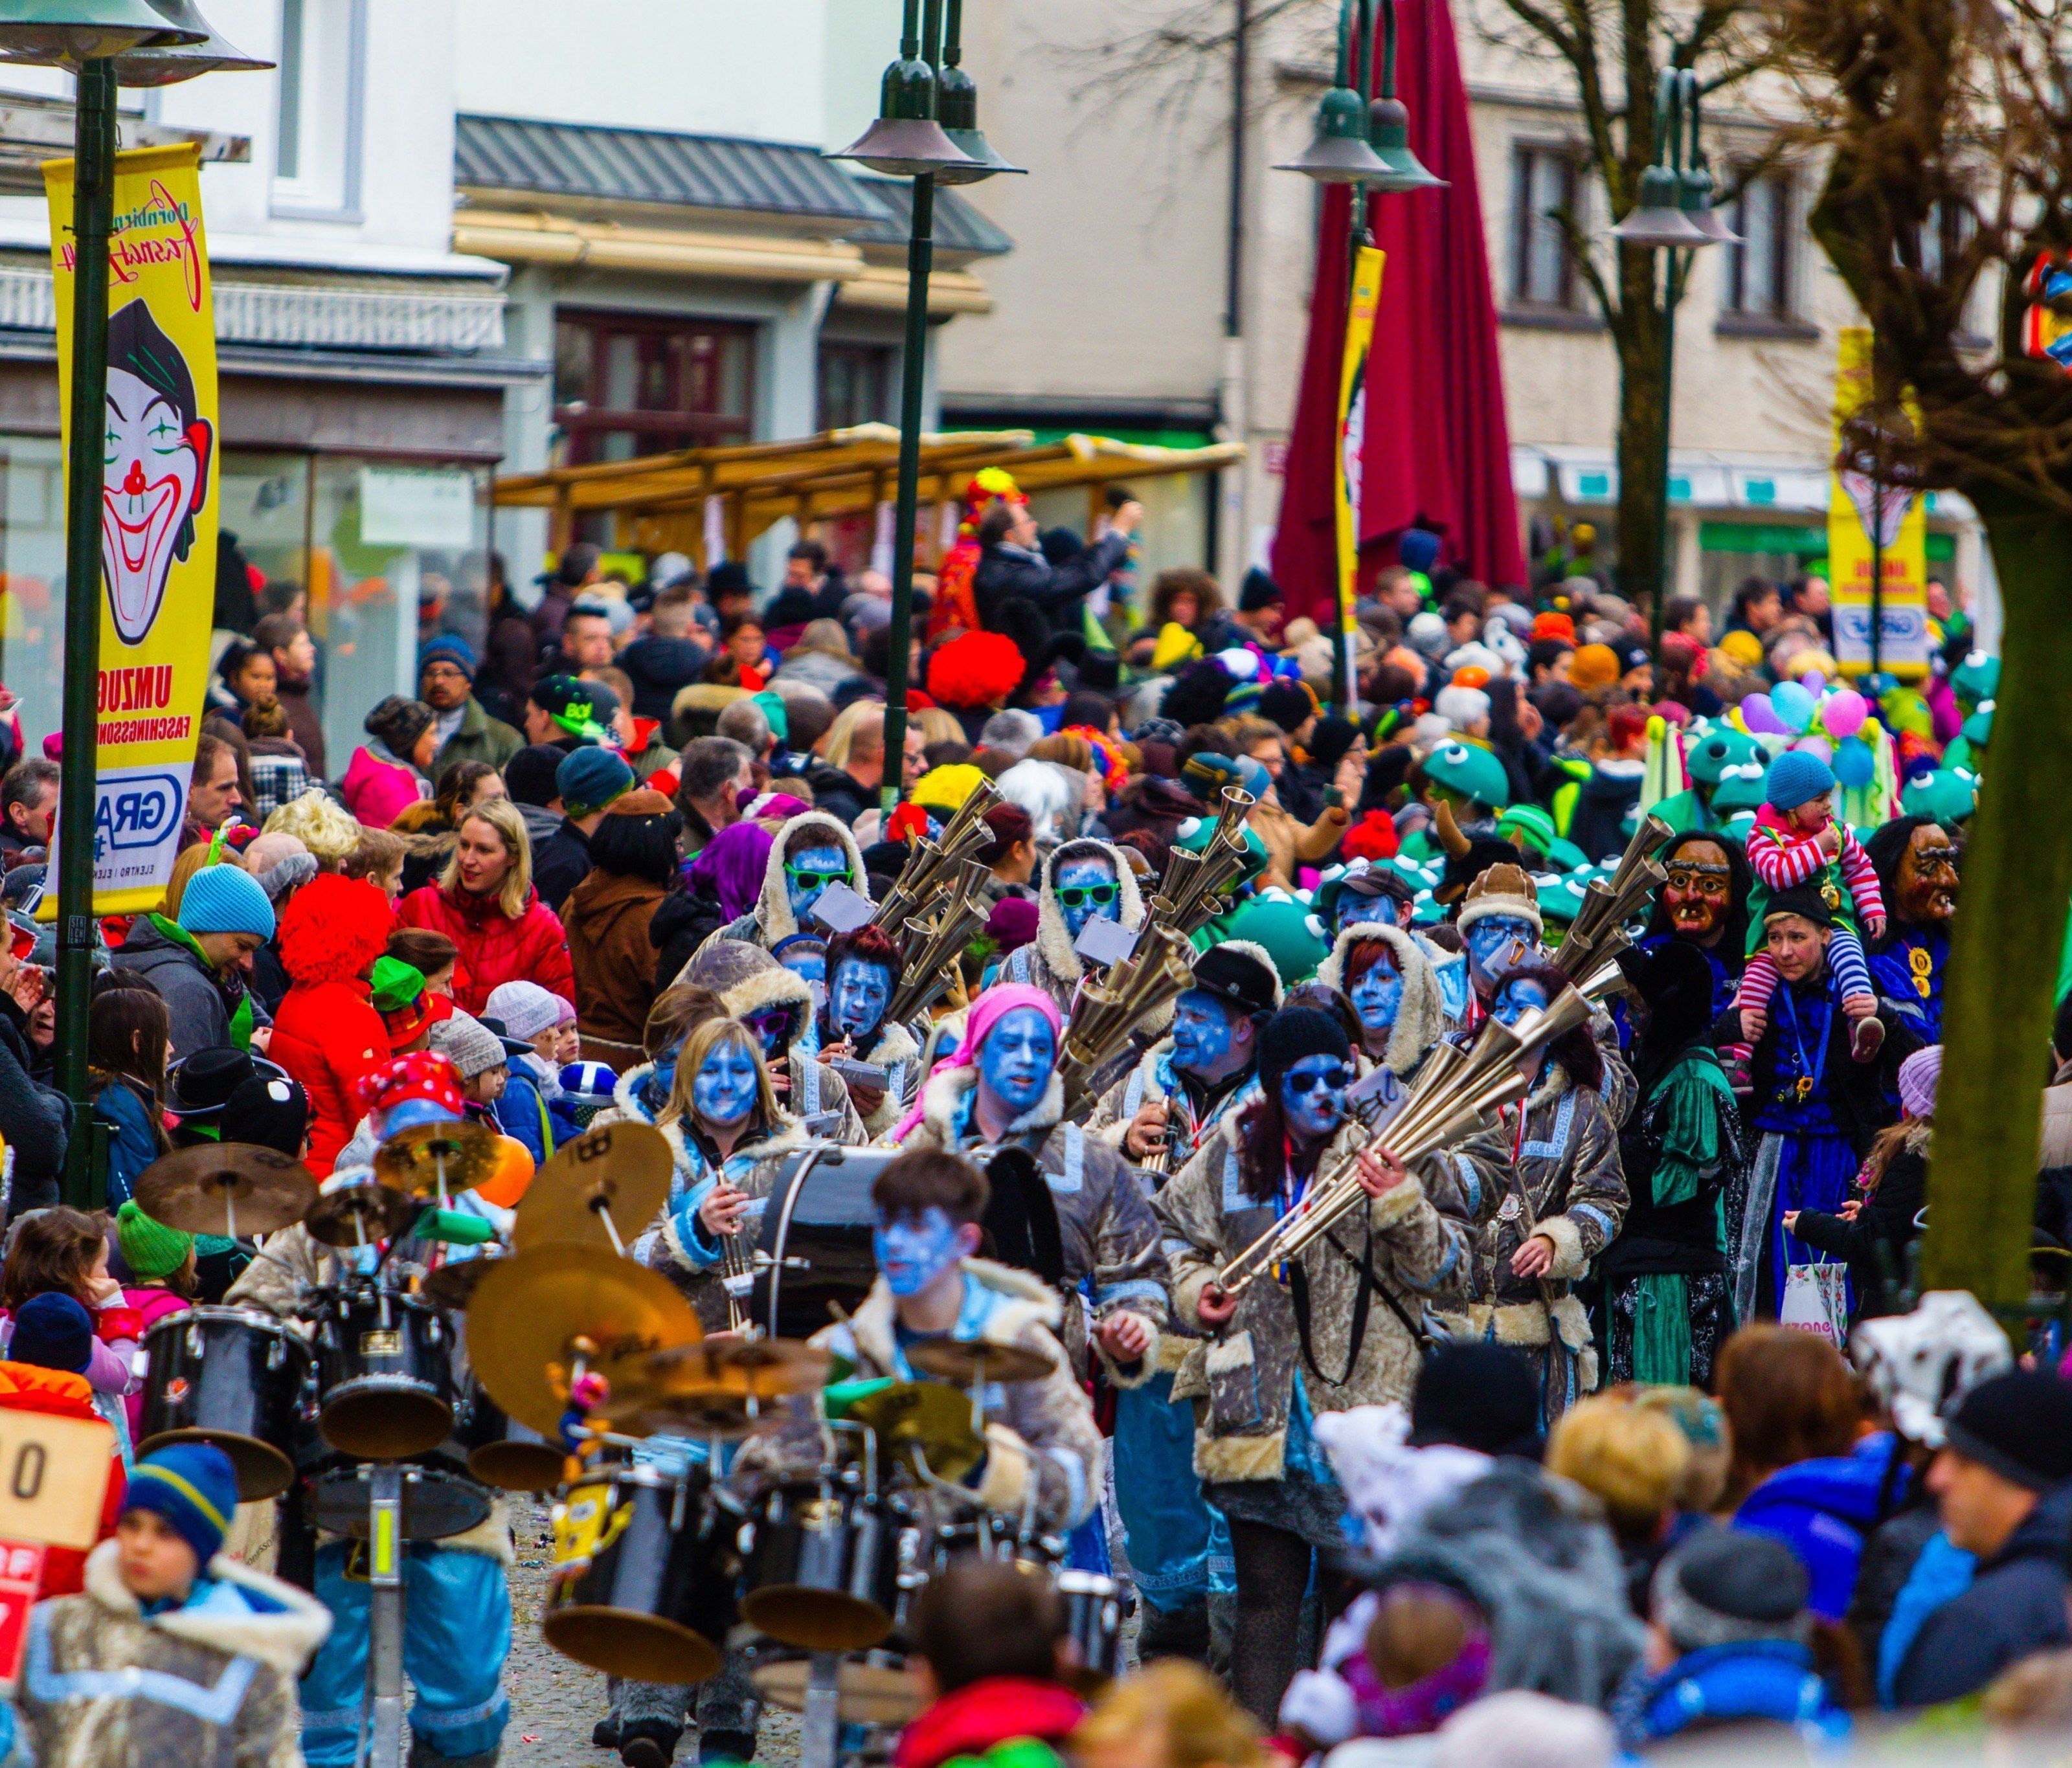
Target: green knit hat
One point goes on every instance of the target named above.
(150, 1248)
(395, 983)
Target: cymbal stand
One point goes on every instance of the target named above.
(820, 1725)
(381, 1732)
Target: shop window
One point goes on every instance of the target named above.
(859, 384)
(316, 138)
(628, 385)
(1544, 181)
(1761, 272)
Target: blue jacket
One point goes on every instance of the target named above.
(131, 1145)
(522, 1114)
(1824, 1510)
(1765, 1679)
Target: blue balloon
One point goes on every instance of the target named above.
(1854, 763)
(1793, 704)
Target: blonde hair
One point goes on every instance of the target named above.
(1634, 1459)
(502, 816)
(191, 860)
(1185, 1707)
(705, 1038)
(1064, 751)
(853, 718)
(936, 726)
(325, 828)
(1697, 1415)
(380, 852)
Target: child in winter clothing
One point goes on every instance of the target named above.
(161, 1262)
(65, 1251)
(127, 1031)
(174, 1656)
(536, 1022)
(477, 1055)
(44, 1372)
(1796, 841)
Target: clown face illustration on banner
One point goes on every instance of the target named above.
(154, 468)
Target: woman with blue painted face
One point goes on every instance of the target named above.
(865, 970)
(1082, 882)
(1383, 972)
(812, 852)
(1004, 1092)
(1337, 1327)
(1556, 1200)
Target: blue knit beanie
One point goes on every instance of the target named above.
(225, 900)
(591, 778)
(52, 1331)
(193, 1486)
(448, 648)
(1795, 778)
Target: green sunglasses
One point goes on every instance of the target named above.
(1100, 895)
(803, 875)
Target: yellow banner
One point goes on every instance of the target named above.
(1857, 503)
(1352, 437)
(158, 508)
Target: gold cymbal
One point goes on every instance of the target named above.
(217, 1187)
(765, 1368)
(353, 1215)
(930, 1416)
(531, 1309)
(724, 1413)
(968, 1361)
(410, 1159)
(621, 1171)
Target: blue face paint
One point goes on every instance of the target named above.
(1313, 1096)
(809, 872)
(1517, 997)
(1201, 1031)
(913, 1252)
(1490, 940)
(806, 964)
(1017, 1059)
(1086, 888)
(857, 1000)
(724, 1090)
(1352, 907)
(1377, 997)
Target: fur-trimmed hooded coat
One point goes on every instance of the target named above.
(1048, 962)
(1242, 1381)
(1104, 1217)
(895, 1049)
(208, 1685)
(327, 1034)
(773, 921)
(1421, 1018)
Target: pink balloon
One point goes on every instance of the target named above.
(1760, 717)
(1843, 713)
(1817, 746)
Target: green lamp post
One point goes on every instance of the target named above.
(105, 43)
(908, 140)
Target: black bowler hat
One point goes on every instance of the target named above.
(201, 1086)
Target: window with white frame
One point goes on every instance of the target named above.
(316, 141)
(1544, 181)
(1761, 272)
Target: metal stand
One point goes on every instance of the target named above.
(820, 1725)
(384, 1620)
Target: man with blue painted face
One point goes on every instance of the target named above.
(1557, 1201)
(1040, 1436)
(1385, 973)
(1005, 1092)
(1338, 1327)
(1081, 882)
(813, 851)
(863, 972)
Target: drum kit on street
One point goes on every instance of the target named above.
(699, 1492)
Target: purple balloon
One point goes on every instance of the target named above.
(1760, 717)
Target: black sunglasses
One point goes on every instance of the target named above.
(1333, 1078)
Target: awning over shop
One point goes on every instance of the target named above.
(729, 496)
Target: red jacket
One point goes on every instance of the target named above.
(326, 1035)
(977, 1719)
(494, 948)
(26, 1387)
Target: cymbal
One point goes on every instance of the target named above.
(409, 1159)
(765, 1368)
(966, 1361)
(532, 1308)
(454, 1283)
(217, 1186)
(352, 1214)
(930, 1416)
(621, 1171)
(723, 1413)
(875, 1692)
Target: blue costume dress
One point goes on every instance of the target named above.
(1909, 974)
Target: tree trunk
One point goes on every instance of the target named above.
(1642, 515)
(2017, 878)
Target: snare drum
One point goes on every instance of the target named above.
(385, 1375)
(648, 1569)
(229, 1376)
(823, 1574)
(438, 1499)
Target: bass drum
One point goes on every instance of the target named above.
(229, 1376)
(813, 1253)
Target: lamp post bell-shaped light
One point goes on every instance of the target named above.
(956, 109)
(1339, 153)
(1697, 192)
(1657, 219)
(1389, 130)
(906, 141)
(64, 33)
(167, 64)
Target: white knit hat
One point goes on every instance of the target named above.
(468, 1044)
(525, 1010)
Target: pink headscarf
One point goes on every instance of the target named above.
(991, 1007)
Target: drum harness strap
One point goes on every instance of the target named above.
(1369, 1285)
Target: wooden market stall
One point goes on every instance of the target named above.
(670, 503)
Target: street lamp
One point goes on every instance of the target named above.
(106, 43)
(1673, 212)
(1362, 140)
(907, 141)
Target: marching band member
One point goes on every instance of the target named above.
(865, 970)
(1081, 881)
(777, 1004)
(1556, 1203)
(811, 852)
(1335, 1328)
(1004, 1091)
(641, 1094)
(1383, 972)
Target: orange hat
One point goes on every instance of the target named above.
(1471, 675)
(1554, 625)
(1594, 667)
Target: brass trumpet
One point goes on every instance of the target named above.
(1457, 1095)
(1105, 1013)
(932, 946)
(932, 867)
(1190, 893)
(1598, 932)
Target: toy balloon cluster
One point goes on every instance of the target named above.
(1829, 723)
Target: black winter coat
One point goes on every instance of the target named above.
(1875, 1243)
(1009, 573)
(685, 920)
(35, 1120)
(560, 863)
(836, 791)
